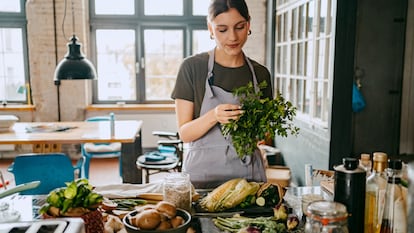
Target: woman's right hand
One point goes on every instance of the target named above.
(226, 112)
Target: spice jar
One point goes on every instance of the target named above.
(177, 190)
(326, 216)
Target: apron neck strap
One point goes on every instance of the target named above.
(210, 75)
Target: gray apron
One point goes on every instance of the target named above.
(212, 159)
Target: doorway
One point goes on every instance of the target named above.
(379, 62)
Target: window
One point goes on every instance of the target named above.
(304, 56)
(13, 52)
(138, 46)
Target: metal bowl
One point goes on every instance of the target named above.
(181, 229)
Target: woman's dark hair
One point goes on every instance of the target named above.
(220, 6)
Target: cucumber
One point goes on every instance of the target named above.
(260, 201)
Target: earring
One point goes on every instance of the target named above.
(249, 33)
(211, 37)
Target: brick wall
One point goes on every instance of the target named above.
(255, 46)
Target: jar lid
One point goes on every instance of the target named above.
(177, 177)
(365, 157)
(350, 165)
(328, 210)
(395, 164)
(380, 157)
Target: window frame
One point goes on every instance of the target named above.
(18, 20)
(139, 22)
(286, 80)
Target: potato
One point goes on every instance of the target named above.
(164, 225)
(149, 219)
(177, 221)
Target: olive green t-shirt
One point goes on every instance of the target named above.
(191, 79)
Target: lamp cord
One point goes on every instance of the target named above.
(64, 18)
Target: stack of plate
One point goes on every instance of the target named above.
(6, 122)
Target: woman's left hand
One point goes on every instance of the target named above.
(226, 112)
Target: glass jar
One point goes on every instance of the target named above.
(326, 216)
(177, 190)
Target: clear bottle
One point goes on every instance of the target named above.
(326, 217)
(365, 162)
(375, 194)
(112, 123)
(394, 219)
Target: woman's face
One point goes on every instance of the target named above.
(230, 31)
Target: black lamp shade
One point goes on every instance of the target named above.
(74, 65)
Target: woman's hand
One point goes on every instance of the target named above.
(226, 112)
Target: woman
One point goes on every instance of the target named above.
(204, 100)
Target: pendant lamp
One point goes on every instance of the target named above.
(74, 65)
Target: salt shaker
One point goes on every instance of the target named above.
(177, 190)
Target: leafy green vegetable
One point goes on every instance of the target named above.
(237, 222)
(128, 204)
(262, 119)
(77, 193)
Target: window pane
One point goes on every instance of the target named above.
(307, 97)
(293, 52)
(301, 26)
(116, 64)
(322, 61)
(299, 94)
(285, 27)
(309, 58)
(110, 7)
(323, 17)
(284, 59)
(202, 41)
(10, 6)
(163, 56)
(163, 7)
(301, 59)
(279, 27)
(310, 18)
(318, 99)
(12, 71)
(200, 7)
(294, 25)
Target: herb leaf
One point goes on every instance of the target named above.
(262, 119)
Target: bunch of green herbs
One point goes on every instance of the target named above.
(263, 118)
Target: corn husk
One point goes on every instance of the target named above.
(229, 195)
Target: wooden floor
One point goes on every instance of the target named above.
(102, 172)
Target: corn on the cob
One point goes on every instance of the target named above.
(229, 194)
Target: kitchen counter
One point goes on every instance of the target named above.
(203, 224)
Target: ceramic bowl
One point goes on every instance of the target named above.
(7, 121)
(181, 229)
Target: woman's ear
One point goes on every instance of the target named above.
(210, 29)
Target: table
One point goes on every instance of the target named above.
(127, 132)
